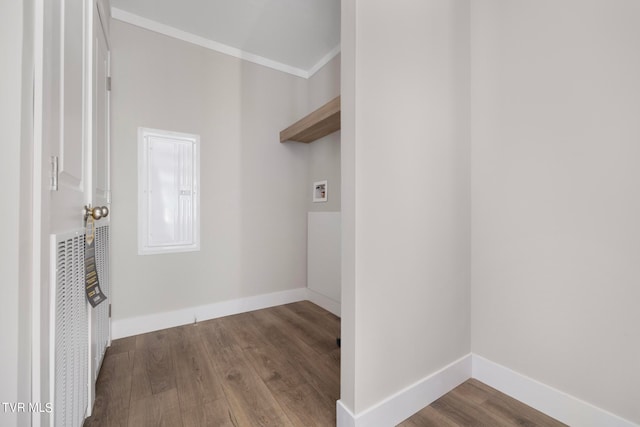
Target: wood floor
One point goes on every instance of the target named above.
(277, 367)
(274, 367)
(476, 404)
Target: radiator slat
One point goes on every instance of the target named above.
(71, 333)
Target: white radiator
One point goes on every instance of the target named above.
(70, 335)
(101, 329)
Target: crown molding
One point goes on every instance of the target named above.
(324, 61)
(148, 24)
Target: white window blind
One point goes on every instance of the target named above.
(168, 193)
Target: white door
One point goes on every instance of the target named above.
(65, 143)
(75, 170)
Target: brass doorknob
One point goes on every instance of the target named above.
(96, 213)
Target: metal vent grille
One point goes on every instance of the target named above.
(71, 333)
(101, 329)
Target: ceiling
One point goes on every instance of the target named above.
(300, 35)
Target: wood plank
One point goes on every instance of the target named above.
(474, 391)
(318, 371)
(318, 339)
(109, 419)
(116, 367)
(113, 391)
(216, 413)
(245, 334)
(214, 332)
(249, 398)
(140, 383)
(428, 417)
(327, 314)
(196, 379)
(153, 368)
(514, 412)
(273, 368)
(464, 412)
(122, 345)
(321, 319)
(319, 123)
(305, 406)
(303, 403)
(158, 410)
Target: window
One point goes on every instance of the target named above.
(168, 193)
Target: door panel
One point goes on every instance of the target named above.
(63, 113)
(71, 164)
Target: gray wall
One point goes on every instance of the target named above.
(405, 154)
(324, 154)
(254, 189)
(556, 200)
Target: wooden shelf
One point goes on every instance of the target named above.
(322, 122)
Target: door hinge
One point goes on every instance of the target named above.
(54, 174)
(109, 83)
(109, 310)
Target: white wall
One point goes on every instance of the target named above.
(556, 199)
(405, 153)
(254, 189)
(324, 153)
(324, 253)
(16, 65)
(324, 232)
(348, 203)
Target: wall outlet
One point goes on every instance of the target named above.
(320, 191)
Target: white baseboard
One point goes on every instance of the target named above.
(324, 302)
(154, 322)
(344, 416)
(407, 402)
(555, 403)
